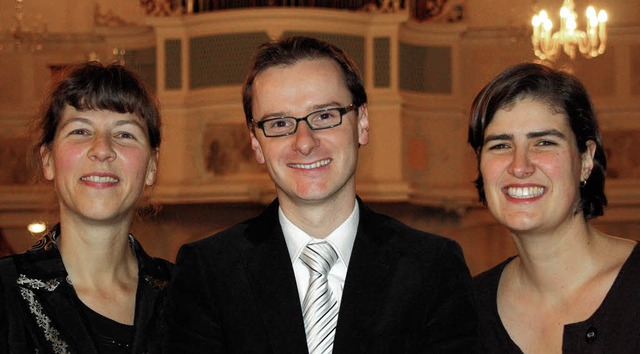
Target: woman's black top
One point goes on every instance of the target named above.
(109, 336)
(614, 328)
(40, 311)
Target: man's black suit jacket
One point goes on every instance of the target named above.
(406, 291)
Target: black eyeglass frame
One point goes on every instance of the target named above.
(341, 110)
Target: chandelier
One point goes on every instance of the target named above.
(591, 43)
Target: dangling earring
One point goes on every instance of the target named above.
(583, 183)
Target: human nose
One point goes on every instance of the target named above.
(101, 148)
(521, 165)
(305, 140)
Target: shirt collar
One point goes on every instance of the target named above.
(342, 238)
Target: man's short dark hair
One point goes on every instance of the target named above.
(290, 50)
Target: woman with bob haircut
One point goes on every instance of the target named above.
(541, 172)
(88, 286)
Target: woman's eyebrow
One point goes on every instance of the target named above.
(552, 132)
(493, 137)
(129, 121)
(75, 120)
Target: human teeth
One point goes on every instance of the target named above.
(313, 165)
(525, 192)
(99, 179)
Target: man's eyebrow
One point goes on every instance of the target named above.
(273, 115)
(314, 108)
(325, 105)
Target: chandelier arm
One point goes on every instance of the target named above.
(585, 43)
(602, 47)
(602, 35)
(552, 45)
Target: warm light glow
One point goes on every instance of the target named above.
(544, 16)
(535, 21)
(571, 24)
(602, 16)
(37, 227)
(591, 42)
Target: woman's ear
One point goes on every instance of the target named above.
(587, 160)
(152, 168)
(46, 158)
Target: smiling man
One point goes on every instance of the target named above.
(317, 271)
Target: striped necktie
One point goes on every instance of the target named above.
(320, 307)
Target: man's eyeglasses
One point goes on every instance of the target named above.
(317, 120)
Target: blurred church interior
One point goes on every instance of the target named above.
(423, 62)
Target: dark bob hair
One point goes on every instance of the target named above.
(94, 86)
(562, 92)
(290, 50)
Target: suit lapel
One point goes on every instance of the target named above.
(273, 282)
(365, 285)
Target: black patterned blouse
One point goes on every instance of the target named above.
(41, 313)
